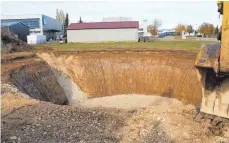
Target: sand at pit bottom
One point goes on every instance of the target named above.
(131, 101)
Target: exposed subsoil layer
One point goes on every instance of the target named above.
(78, 77)
(35, 78)
(105, 73)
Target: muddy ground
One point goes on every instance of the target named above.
(164, 119)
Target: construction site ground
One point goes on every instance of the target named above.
(127, 118)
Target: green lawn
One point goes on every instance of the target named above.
(189, 45)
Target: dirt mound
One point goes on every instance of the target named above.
(11, 44)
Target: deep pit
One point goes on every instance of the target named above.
(78, 77)
(112, 79)
(116, 97)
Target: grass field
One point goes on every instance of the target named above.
(189, 45)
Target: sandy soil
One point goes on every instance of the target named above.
(121, 118)
(164, 120)
(130, 101)
(169, 73)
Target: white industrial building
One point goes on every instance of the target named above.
(103, 31)
(38, 24)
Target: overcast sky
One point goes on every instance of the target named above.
(170, 13)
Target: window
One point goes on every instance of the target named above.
(31, 23)
(43, 20)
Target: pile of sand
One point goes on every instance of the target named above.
(129, 101)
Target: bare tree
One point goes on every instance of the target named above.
(60, 16)
(153, 28)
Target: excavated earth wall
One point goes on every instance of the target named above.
(38, 81)
(106, 73)
(73, 77)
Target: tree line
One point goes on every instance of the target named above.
(205, 29)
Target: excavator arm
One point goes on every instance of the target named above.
(223, 8)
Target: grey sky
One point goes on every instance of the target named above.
(170, 13)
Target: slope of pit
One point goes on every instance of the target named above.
(155, 72)
(33, 77)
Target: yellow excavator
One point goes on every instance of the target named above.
(212, 66)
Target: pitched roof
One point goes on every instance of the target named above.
(104, 25)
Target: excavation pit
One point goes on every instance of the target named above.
(88, 78)
(143, 82)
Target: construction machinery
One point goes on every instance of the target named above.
(212, 66)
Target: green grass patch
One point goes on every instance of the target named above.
(189, 45)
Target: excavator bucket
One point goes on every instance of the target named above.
(212, 66)
(215, 93)
(215, 89)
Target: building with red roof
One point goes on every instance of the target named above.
(103, 31)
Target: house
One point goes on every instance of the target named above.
(19, 29)
(103, 31)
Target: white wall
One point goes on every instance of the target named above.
(102, 35)
(36, 39)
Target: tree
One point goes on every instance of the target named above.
(153, 28)
(203, 28)
(211, 29)
(217, 30)
(80, 21)
(149, 28)
(189, 29)
(207, 29)
(60, 17)
(179, 28)
(66, 23)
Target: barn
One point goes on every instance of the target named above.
(103, 31)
